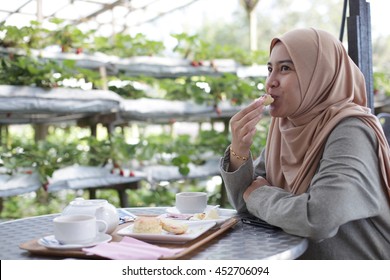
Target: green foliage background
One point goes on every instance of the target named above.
(215, 39)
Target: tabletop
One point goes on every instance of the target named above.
(243, 241)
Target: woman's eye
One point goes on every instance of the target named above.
(269, 69)
(284, 68)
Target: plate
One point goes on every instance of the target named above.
(194, 230)
(224, 214)
(52, 243)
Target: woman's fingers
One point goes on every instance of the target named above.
(250, 114)
(245, 121)
(250, 110)
(243, 126)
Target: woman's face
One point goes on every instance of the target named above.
(282, 83)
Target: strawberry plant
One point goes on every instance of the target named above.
(124, 45)
(198, 50)
(26, 37)
(69, 37)
(24, 70)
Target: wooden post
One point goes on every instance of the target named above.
(103, 74)
(250, 6)
(41, 131)
(359, 43)
(1, 135)
(253, 30)
(39, 11)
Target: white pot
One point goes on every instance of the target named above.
(100, 208)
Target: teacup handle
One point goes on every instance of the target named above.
(101, 226)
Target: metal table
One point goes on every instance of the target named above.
(241, 242)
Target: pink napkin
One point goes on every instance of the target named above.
(130, 249)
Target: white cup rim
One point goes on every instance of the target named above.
(77, 218)
(192, 194)
(191, 202)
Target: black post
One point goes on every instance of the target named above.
(359, 43)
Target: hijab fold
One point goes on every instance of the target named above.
(332, 88)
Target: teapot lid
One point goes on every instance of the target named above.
(87, 202)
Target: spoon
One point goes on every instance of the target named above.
(214, 207)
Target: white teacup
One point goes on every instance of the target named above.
(78, 229)
(191, 202)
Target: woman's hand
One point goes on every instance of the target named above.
(257, 183)
(243, 128)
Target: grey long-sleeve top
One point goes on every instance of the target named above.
(345, 213)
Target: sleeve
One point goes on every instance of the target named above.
(346, 187)
(238, 181)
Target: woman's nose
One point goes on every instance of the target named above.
(272, 83)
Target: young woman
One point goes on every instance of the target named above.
(325, 171)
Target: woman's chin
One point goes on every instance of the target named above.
(273, 111)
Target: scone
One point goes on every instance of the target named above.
(267, 100)
(198, 216)
(172, 226)
(147, 225)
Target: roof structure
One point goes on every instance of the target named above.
(104, 16)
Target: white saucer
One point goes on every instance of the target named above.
(52, 243)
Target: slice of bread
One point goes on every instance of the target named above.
(172, 226)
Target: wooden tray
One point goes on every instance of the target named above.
(190, 248)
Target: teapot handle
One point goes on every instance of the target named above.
(99, 213)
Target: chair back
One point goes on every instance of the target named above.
(384, 119)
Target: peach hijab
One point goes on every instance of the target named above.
(332, 88)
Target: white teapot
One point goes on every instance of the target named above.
(100, 208)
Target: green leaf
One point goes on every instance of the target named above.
(184, 170)
(69, 63)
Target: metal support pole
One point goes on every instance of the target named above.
(39, 11)
(360, 45)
